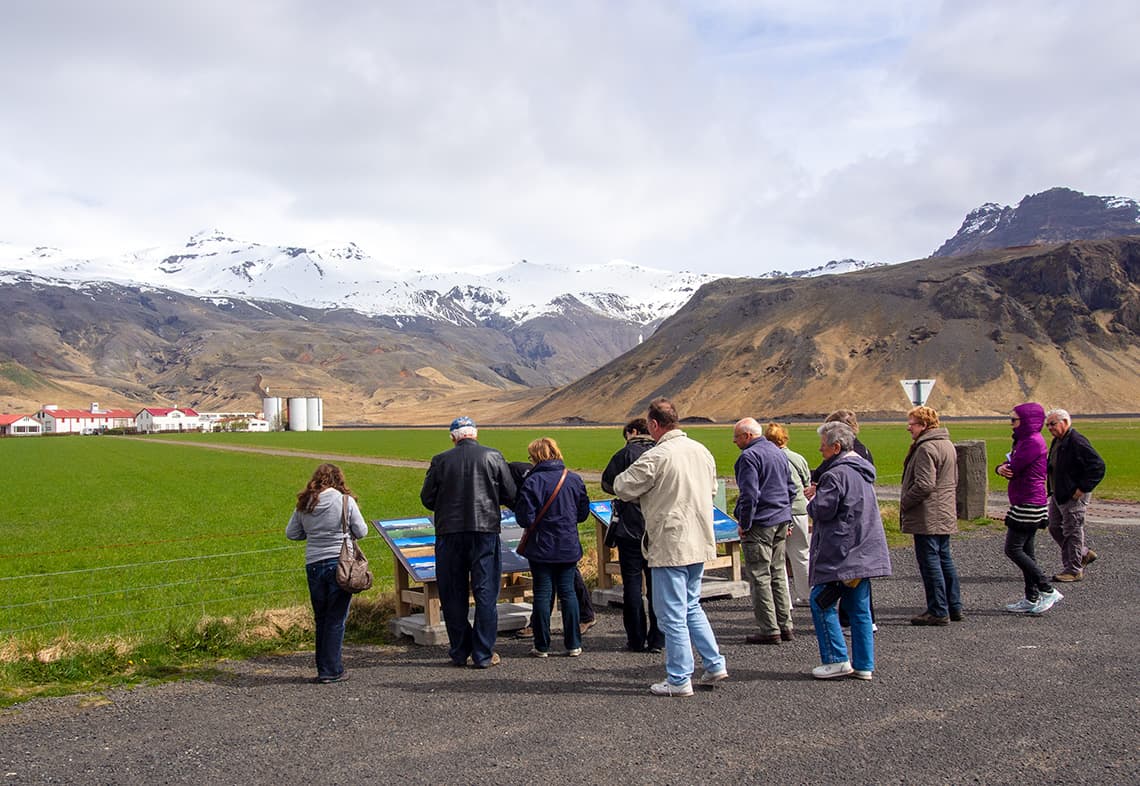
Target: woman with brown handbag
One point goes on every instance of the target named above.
(551, 503)
(316, 519)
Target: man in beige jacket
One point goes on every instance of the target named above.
(674, 482)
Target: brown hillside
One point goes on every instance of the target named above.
(1058, 324)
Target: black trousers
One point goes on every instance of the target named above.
(641, 631)
(1020, 550)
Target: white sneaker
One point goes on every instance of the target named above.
(710, 678)
(859, 674)
(1021, 606)
(874, 628)
(539, 654)
(665, 689)
(830, 670)
(1046, 602)
(574, 653)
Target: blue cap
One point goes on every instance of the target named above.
(462, 422)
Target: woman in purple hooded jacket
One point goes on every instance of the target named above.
(1025, 467)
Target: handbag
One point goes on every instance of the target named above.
(521, 547)
(352, 573)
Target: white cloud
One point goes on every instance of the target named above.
(719, 135)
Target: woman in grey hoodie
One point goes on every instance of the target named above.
(317, 521)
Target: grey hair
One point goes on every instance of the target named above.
(751, 427)
(1060, 414)
(837, 432)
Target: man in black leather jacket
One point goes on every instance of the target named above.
(1074, 470)
(465, 487)
(625, 532)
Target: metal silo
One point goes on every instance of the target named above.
(299, 414)
(271, 406)
(315, 413)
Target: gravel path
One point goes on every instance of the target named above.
(995, 699)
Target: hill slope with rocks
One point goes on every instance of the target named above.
(1059, 324)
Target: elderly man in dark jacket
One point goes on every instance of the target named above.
(627, 527)
(466, 487)
(1074, 470)
(848, 548)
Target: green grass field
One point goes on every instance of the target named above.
(116, 536)
(153, 547)
(591, 448)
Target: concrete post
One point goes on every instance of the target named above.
(973, 478)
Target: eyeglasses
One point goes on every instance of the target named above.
(1015, 420)
(1051, 423)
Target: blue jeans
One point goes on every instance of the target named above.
(469, 563)
(939, 576)
(829, 634)
(549, 577)
(677, 601)
(330, 610)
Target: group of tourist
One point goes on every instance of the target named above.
(663, 482)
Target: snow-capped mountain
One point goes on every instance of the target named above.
(212, 263)
(1054, 216)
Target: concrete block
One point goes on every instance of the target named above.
(512, 616)
(973, 478)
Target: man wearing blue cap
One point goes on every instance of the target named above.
(465, 487)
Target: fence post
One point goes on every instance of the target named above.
(973, 478)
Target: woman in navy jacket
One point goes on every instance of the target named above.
(552, 545)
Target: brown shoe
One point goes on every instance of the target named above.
(524, 633)
(584, 626)
(1067, 578)
(926, 618)
(494, 660)
(1089, 558)
(758, 638)
(787, 635)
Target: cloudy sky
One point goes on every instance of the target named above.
(713, 135)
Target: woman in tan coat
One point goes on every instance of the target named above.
(928, 510)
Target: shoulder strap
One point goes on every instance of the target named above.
(553, 494)
(344, 515)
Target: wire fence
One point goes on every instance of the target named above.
(131, 598)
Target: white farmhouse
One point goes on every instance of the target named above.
(19, 426)
(153, 419)
(54, 420)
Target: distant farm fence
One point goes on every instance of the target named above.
(136, 598)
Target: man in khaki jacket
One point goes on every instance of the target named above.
(674, 482)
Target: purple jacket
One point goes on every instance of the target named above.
(1028, 457)
(847, 540)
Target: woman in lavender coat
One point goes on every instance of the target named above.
(1025, 468)
(848, 549)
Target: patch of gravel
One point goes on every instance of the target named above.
(995, 699)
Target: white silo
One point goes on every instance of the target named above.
(271, 406)
(315, 413)
(299, 414)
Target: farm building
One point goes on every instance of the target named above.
(54, 420)
(153, 419)
(19, 426)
